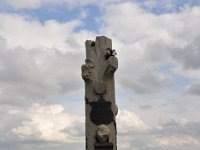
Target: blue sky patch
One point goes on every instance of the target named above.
(166, 6)
(61, 13)
(91, 20)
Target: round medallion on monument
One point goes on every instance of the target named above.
(99, 88)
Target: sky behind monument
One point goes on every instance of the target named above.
(157, 83)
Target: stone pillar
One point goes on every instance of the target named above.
(100, 108)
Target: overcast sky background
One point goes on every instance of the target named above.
(157, 82)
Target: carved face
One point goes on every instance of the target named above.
(86, 72)
(86, 69)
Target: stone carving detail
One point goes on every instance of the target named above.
(110, 52)
(103, 133)
(99, 88)
(100, 108)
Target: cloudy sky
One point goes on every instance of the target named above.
(157, 82)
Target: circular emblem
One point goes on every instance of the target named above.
(99, 88)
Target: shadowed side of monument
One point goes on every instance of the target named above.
(100, 108)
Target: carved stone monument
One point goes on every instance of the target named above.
(100, 108)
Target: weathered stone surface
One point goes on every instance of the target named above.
(99, 88)
(103, 133)
(100, 108)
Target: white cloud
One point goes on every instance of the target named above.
(39, 60)
(134, 24)
(146, 41)
(177, 141)
(43, 59)
(130, 122)
(172, 134)
(50, 123)
(30, 33)
(24, 3)
(34, 75)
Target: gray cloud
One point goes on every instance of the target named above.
(193, 89)
(12, 117)
(172, 127)
(143, 41)
(39, 145)
(145, 106)
(189, 55)
(171, 134)
(147, 82)
(38, 74)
